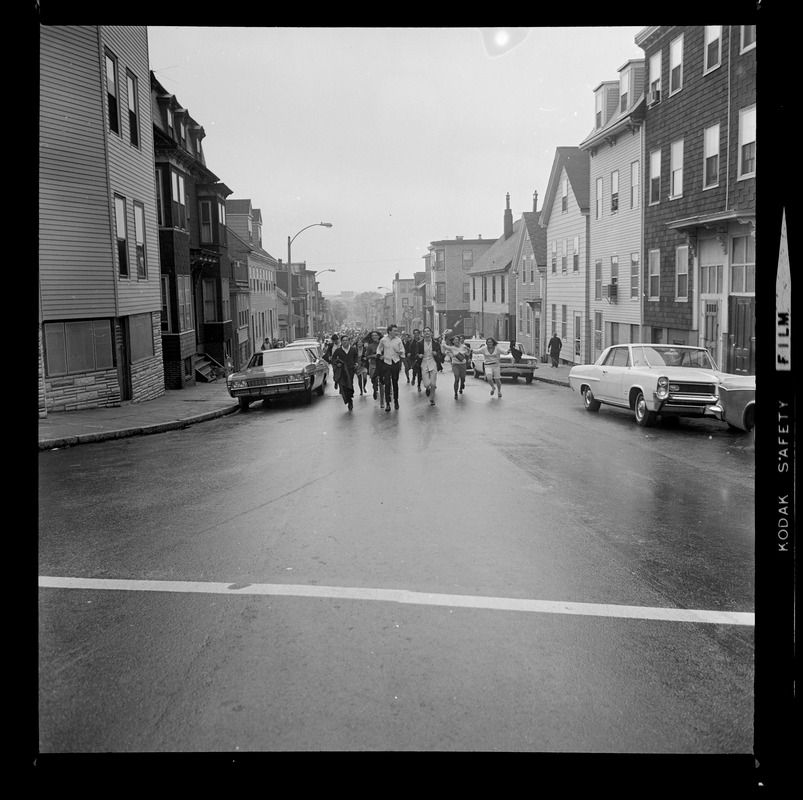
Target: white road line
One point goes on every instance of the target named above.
(403, 596)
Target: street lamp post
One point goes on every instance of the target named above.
(318, 292)
(291, 309)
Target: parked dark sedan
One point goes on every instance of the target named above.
(284, 371)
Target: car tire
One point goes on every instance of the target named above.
(644, 417)
(589, 401)
(244, 403)
(514, 378)
(528, 378)
(749, 419)
(322, 388)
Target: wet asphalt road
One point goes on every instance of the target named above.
(529, 497)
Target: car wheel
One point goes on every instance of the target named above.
(528, 378)
(749, 418)
(244, 403)
(644, 417)
(589, 401)
(322, 388)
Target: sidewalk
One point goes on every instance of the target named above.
(176, 408)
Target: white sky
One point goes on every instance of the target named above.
(397, 136)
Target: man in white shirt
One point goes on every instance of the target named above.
(391, 351)
(431, 358)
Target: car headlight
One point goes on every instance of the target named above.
(297, 376)
(663, 387)
(237, 384)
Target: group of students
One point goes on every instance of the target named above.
(379, 360)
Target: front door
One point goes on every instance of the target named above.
(742, 338)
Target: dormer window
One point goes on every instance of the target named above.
(713, 46)
(598, 109)
(624, 91)
(171, 125)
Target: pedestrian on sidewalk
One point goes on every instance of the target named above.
(431, 358)
(554, 347)
(362, 366)
(344, 360)
(459, 353)
(493, 357)
(413, 353)
(391, 351)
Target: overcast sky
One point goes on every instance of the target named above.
(397, 136)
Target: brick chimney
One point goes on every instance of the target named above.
(508, 218)
(535, 201)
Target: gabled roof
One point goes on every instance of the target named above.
(499, 256)
(238, 206)
(576, 163)
(537, 235)
(622, 120)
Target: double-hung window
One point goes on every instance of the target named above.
(179, 201)
(502, 279)
(748, 37)
(576, 254)
(747, 142)
(634, 184)
(598, 279)
(160, 199)
(564, 195)
(133, 110)
(614, 191)
(711, 157)
(139, 240)
(676, 169)
(655, 274)
(624, 91)
(655, 78)
(554, 257)
(468, 259)
(565, 257)
(634, 276)
(615, 270)
(206, 222)
(743, 264)
(713, 47)
(112, 94)
(598, 210)
(682, 272)
(598, 109)
(121, 235)
(221, 222)
(655, 177)
(493, 288)
(676, 65)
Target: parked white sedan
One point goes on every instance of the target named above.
(652, 380)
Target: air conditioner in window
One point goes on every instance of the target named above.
(609, 291)
(653, 97)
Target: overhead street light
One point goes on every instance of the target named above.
(291, 309)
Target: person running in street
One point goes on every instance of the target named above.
(406, 340)
(373, 363)
(391, 351)
(493, 356)
(362, 366)
(327, 356)
(459, 353)
(413, 352)
(430, 358)
(344, 359)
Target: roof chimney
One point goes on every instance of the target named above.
(508, 218)
(535, 201)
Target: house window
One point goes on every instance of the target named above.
(179, 201)
(186, 316)
(676, 65)
(747, 142)
(624, 91)
(121, 235)
(682, 272)
(576, 255)
(748, 37)
(160, 200)
(676, 169)
(133, 110)
(614, 269)
(655, 177)
(468, 259)
(598, 279)
(554, 317)
(440, 292)
(502, 281)
(221, 222)
(634, 184)
(554, 257)
(743, 264)
(655, 274)
(139, 240)
(209, 289)
(711, 156)
(614, 191)
(167, 318)
(713, 46)
(484, 288)
(711, 279)
(206, 222)
(577, 328)
(493, 288)
(182, 132)
(564, 197)
(563, 323)
(112, 94)
(170, 123)
(655, 77)
(598, 209)
(440, 260)
(598, 109)
(565, 257)
(473, 288)
(140, 334)
(466, 294)
(634, 276)
(73, 347)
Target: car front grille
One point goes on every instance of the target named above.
(267, 381)
(693, 388)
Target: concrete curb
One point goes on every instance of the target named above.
(124, 433)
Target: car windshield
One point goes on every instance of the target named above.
(657, 356)
(265, 358)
